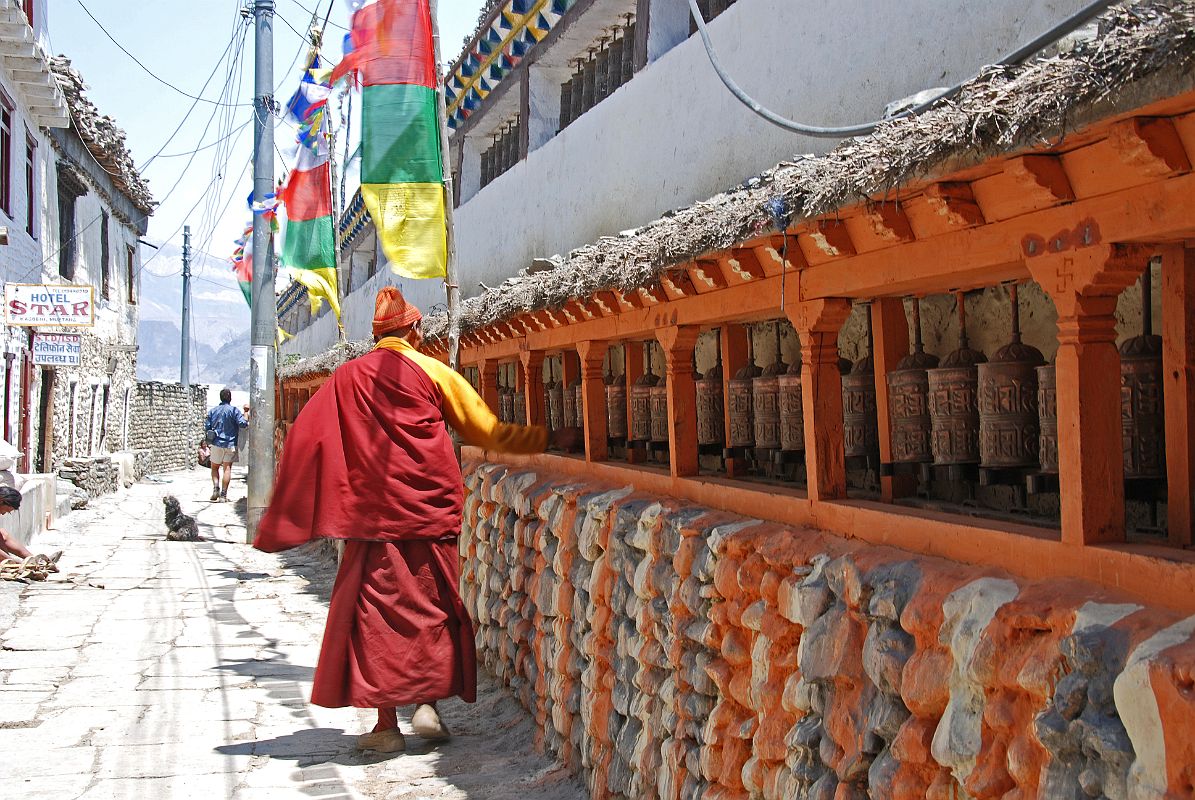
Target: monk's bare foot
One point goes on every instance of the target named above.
(427, 723)
(388, 741)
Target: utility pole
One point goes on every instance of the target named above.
(185, 376)
(264, 334)
(451, 286)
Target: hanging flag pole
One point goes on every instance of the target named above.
(451, 286)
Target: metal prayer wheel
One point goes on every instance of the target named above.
(908, 400)
(1008, 423)
(1142, 422)
(506, 404)
(860, 422)
(711, 416)
(519, 402)
(1047, 417)
(658, 397)
(792, 411)
(578, 403)
(739, 393)
(765, 402)
(555, 403)
(616, 406)
(569, 402)
(954, 400)
(641, 402)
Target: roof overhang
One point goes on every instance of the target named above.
(28, 68)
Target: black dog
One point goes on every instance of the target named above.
(182, 528)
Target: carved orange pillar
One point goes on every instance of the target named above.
(593, 399)
(733, 341)
(890, 343)
(678, 342)
(633, 370)
(487, 376)
(1084, 285)
(1178, 377)
(532, 378)
(817, 323)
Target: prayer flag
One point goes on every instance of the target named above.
(402, 179)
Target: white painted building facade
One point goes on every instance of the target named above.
(672, 134)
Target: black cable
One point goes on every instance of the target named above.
(209, 145)
(138, 62)
(1064, 28)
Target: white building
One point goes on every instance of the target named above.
(661, 132)
(75, 208)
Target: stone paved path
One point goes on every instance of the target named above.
(155, 669)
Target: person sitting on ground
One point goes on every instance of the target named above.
(10, 500)
(224, 422)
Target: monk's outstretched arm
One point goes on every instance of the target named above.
(469, 415)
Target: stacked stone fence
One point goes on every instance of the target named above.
(671, 652)
(167, 421)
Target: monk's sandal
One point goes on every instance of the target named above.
(427, 723)
(388, 741)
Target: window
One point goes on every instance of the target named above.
(105, 265)
(30, 11)
(131, 271)
(6, 155)
(66, 230)
(30, 186)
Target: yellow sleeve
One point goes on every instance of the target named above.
(469, 415)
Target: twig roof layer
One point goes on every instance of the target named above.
(1144, 51)
(102, 136)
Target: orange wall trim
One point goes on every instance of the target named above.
(1157, 575)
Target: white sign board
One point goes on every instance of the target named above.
(53, 304)
(57, 349)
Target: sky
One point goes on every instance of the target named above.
(182, 44)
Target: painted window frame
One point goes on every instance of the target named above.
(7, 113)
(30, 184)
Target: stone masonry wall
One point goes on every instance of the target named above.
(168, 421)
(671, 652)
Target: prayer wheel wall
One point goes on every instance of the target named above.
(1142, 421)
(519, 403)
(1047, 414)
(792, 412)
(569, 403)
(711, 417)
(578, 404)
(1008, 414)
(555, 395)
(506, 405)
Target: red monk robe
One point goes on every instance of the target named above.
(369, 460)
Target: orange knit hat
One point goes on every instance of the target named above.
(392, 311)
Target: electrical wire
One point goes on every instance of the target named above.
(209, 145)
(139, 63)
(1064, 28)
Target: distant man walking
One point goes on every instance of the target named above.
(369, 460)
(223, 428)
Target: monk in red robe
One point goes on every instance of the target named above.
(369, 461)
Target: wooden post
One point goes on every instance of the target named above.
(890, 343)
(678, 342)
(593, 399)
(1084, 285)
(570, 367)
(733, 341)
(1178, 368)
(817, 323)
(532, 379)
(487, 376)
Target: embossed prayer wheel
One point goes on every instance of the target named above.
(658, 397)
(520, 406)
(555, 403)
(860, 422)
(739, 391)
(1142, 422)
(569, 402)
(641, 401)
(765, 401)
(616, 406)
(1047, 417)
(792, 411)
(578, 403)
(711, 416)
(1008, 423)
(908, 400)
(506, 404)
(954, 400)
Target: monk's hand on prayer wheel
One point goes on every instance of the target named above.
(570, 440)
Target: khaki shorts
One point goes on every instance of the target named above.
(223, 455)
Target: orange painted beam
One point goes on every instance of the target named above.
(678, 343)
(1178, 370)
(890, 343)
(593, 399)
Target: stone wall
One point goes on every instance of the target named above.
(668, 651)
(168, 421)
